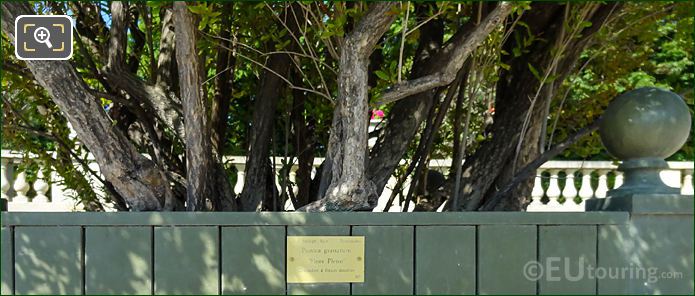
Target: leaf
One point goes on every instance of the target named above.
(534, 71)
(197, 9)
(382, 75)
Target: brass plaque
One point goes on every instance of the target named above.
(325, 259)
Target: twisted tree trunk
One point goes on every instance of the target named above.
(350, 189)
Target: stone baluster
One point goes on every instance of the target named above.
(672, 178)
(553, 191)
(21, 186)
(98, 190)
(602, 187)
(58, 189)
(570, 191)
(41, 188)
(385, 194)
(618, 180)
(4, 182)
(390, 186)
(60, 193)
(687, 187)
(405, 189)
(585, 190)
(240, 176)
(314, 171)
(276, 174)
(536, 194)
(293, 179)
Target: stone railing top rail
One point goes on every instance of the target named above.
(553, 164)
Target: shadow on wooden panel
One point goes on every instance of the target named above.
(118, 260)
(185, 260)
(656, 252)
(253, 260)
(388, 260)
(48, 260)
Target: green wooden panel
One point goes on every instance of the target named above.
(388, 260)
(665, 248)
(503, 252)
(253, 260)
(651, 255)
(6, 271)
(118, 260)
(48, 260)
(445, 260)
(323, 288)
(185, 260)
(568, 254)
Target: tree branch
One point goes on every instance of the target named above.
(166, 63)
(460, 52)
(139, 39)
(224, 82)
(89, 26)
(117, 36)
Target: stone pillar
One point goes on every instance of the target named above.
(655, 249)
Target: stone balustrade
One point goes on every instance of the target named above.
(560, 186)
(39, 194)
(563, 186)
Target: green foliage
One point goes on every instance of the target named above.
(651, 45)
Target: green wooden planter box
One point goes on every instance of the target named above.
(244, 253)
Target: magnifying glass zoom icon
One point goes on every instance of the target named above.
(42, 35)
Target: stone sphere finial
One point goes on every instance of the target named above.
(642, 127)
(647, 122)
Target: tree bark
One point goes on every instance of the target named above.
(138, 40)
(224, 81)
(347, 147)
(166, 60)
(304, 146)
(117, 39)
(257, 185)
(158, 98)
(136, 178)
(202, 171)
